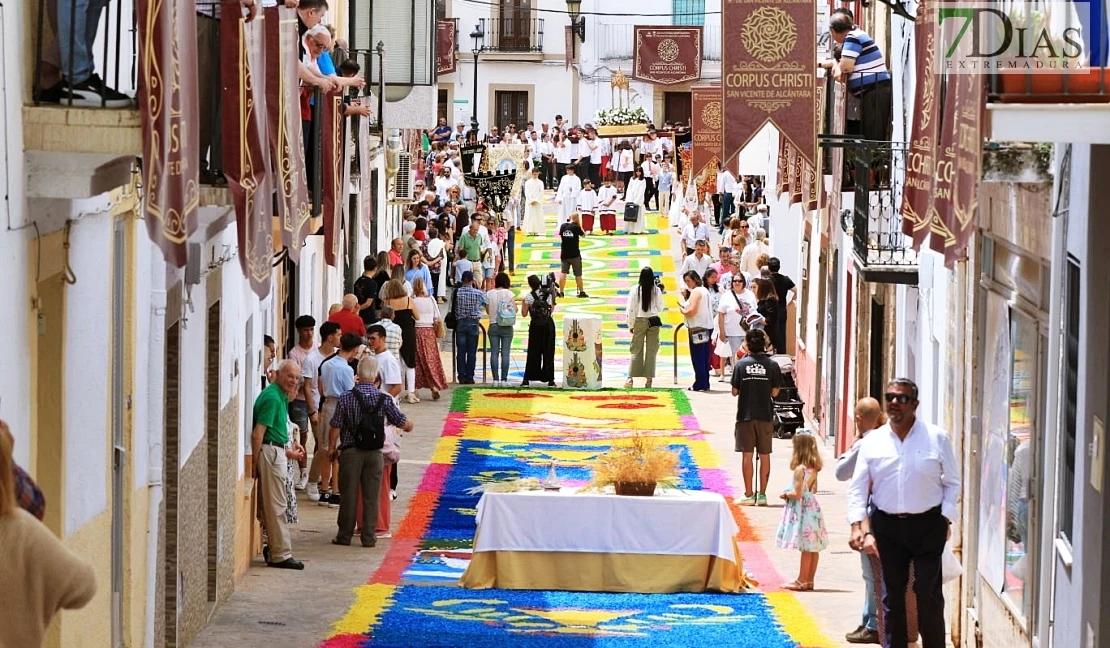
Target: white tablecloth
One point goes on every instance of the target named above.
(694, 523)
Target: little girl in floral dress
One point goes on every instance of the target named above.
(803, 525)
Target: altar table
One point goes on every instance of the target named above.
(676, 541)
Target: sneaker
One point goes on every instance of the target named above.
(862, 635)
(582, 295)
(745, 501)
(761, 500)
(55, 94)
(304, 479)
(383, 536)
(313, 491)
(333, 501)
(92, 93)
(325, 498)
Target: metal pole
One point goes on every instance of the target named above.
(674, 350)
(381, 87)
(474, 105)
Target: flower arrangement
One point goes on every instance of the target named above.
(636, 468)
(621, 116)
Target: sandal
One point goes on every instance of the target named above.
(647, 384)
(798, 586)
(628, 384)
(411, 398)
(435, 394)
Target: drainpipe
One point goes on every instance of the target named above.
(155, 430)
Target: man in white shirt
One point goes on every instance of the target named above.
(692, 233)
(698, 261)
(907, 471)
(566, 196)
(389, 368)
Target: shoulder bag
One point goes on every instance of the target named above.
(743, 318)
(449, 320)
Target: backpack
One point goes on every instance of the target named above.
(370, 432)
(540, 306)
(506, 312)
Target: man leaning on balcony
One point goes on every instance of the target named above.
(862, 67)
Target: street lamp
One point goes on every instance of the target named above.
(577, 22)
(478, 36)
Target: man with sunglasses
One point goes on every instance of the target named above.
(907, 470)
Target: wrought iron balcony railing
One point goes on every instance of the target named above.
(875, 174)
(510, 33)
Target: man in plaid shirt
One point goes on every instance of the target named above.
(392, 331)
(359, 467)
(468, 303)
(27, 493)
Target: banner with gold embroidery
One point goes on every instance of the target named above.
(797, 175)
(333, 179)
(782, 168)
(705, 130)
(814, 193)
(246, 143)
(287, 152)
(942, 212)
(169, 111)
(917, 193)
(968, 160)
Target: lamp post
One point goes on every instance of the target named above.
(478, 36)
(577, 21)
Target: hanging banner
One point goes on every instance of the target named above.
(367, 196)
(917, 192)
(814, 194)
(769, 71)
(666, 55)
(246, 150)
(705, 129)
(286, 143)
(169, 111)
(782, 168)
(568, 44)
(943, 210)
(333, 179)
(968, 162)
(797, 175)
(446, 59)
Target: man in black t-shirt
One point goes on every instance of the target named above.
(366, 289)
(756, 380)
(783, 286)
(570, 233)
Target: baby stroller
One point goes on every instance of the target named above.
(788, 404)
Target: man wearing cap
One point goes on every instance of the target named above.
(468, 304)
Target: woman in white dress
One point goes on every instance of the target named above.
(533, 205)
(634, 194)
(675, 215)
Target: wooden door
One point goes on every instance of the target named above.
(514, 26)
(512, 108)
(676, 107)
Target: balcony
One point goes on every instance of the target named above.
(75, 147)
(615, 42)
(1072, 107)
(510, 34)
(875, 173)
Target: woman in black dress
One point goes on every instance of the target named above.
(539, 304)
(404, 316)
(767, 304)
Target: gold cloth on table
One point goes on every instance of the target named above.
(603, 572)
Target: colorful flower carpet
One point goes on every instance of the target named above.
(611, 267)
(413, 600)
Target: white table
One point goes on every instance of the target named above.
(674, 541)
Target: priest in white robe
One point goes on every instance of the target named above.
(533, 204)
(566, 197)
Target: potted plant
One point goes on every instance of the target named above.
(636, 468)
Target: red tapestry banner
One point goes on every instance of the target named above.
(769, 62)
(286, 142)
(797, 175)
(169, 112)
(666, 55)
(943, 210)
(333, 178)
(917, 194)
(246, 150)
(782, 168)
(814, 193)
(968, 162)
(446, 32)
(705, 130)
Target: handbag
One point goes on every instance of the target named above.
(743, 320)
(441, 330)
(655, 321)
(699, 335)
(631, 213)
(449, 320)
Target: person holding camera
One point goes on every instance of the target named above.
(539, 304)
(645, 305)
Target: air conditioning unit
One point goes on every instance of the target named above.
(402, 182)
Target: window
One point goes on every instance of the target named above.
(1066, 486)
(688, 12)
(514, 29)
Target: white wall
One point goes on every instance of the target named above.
(15, 392)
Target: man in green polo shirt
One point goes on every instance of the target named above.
(471, 240)
(269, 435)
